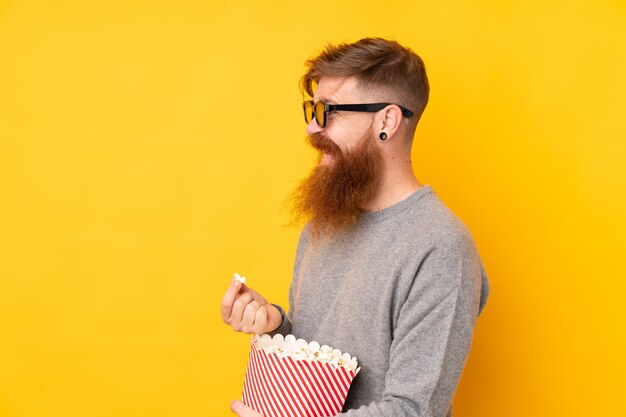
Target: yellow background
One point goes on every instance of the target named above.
(146, 148)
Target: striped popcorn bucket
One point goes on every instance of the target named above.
(279, 384)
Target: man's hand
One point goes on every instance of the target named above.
(246, 311)
(242, 410)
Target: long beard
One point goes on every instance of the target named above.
(331, 197)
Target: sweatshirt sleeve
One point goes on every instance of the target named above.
(285, 327)
(432, 334)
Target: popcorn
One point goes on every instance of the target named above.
(301, 350)
(289, 377)
(240, 278)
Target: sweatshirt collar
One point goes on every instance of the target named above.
(366, 217)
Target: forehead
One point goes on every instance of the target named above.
(332, 90)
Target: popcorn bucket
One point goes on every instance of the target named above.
(292, 378)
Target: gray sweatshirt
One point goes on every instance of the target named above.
(401, 291)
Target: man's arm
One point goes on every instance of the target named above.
(425, 366)
(432, 335)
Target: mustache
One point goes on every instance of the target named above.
(323, 144)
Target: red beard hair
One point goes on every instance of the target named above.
(331, 197)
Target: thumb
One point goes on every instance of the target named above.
(274, 318)
(242, 410)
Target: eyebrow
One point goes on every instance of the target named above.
(325, 100)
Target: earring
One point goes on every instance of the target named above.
(382, 136)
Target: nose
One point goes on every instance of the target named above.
(313, 127)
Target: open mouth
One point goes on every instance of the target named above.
(328, 150)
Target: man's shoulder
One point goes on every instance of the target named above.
(419, 222)
(431, 220)
(447, 243)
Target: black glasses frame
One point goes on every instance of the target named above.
(365, 107)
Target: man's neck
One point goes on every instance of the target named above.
(397, 183)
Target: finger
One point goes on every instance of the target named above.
(239, 307)
(229, 298)
(247, 321)
(242, 410)
(258, 297)
(260, 321)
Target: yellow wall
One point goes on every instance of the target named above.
(146, 148)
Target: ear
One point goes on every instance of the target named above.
(390, 119)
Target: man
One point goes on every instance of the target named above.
(383, 270)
